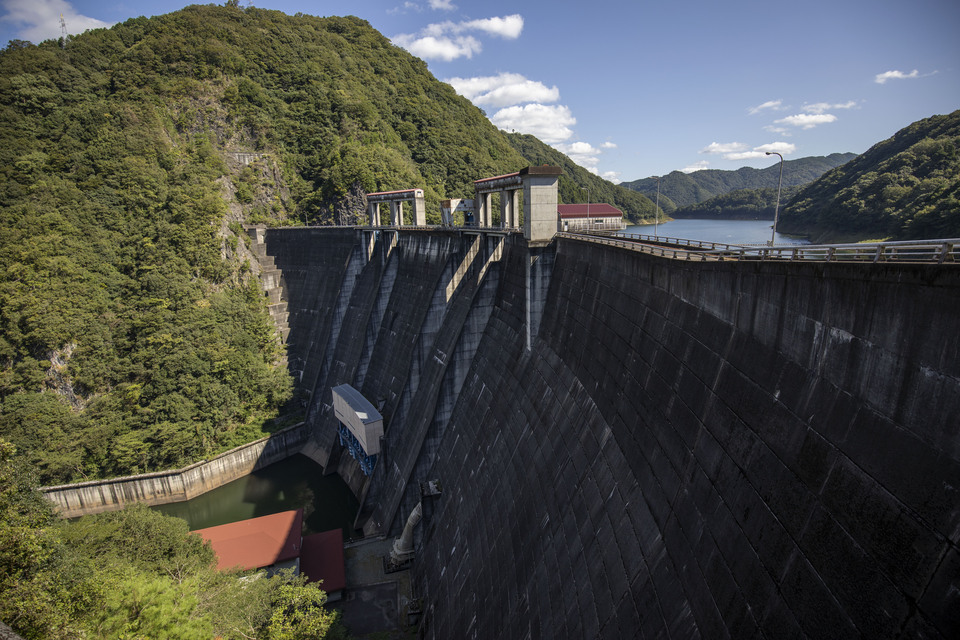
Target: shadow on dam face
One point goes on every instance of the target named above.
(631, 445)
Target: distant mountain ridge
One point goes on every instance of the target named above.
(742, 204)
(688, 189)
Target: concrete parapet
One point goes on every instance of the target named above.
(177, 485)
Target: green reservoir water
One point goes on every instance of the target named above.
(293, 483)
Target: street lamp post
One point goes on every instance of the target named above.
(776, 211)
(588, 204)
(656, 211)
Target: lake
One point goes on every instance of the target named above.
(294, 483)
(723, 231)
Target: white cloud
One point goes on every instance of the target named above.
(739, 151)
(821, 107)
(407, 6)
(39, 20)
(786, 148)
(780, 130)
(441, 48)
(508, 27)
(583, 153)
(549, 123)
(881, 78)
(443, 5)
(696, 166)
(447, 40)
(588, 156)
(744, 155)
(769, 104)
(503, 90)
(807, 120)
(723, 147)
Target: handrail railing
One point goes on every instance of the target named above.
(939, 251)
(684, 242)
(653, 249)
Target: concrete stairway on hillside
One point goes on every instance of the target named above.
(272, 279)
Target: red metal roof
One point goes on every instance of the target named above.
(597, 210)
(258, 542)
(322, 559)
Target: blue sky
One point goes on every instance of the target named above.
(631, 89)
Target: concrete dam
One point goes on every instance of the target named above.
(612, 443)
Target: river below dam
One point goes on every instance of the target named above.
(294, 483)
(722, 231)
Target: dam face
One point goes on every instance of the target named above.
(634, 446)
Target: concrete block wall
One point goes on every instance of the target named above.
(313, 263)
(404, 442)
(358, 321)
(176, 485)
(421, 260)
(704, 450)
(685, 450)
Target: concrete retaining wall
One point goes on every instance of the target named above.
(163, 487)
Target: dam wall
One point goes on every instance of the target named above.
(313, 264)
(702, 450)
(164, 487)
(403, 332)
(638, 446)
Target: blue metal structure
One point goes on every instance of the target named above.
(347, 439)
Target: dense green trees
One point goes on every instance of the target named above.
(742, 204)
(132, 336)
(903, 188)
(133, 574)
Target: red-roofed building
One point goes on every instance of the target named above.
(268, 542)
(595, 216)
(276, 542)
(322, 560)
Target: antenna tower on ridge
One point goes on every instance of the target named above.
(63, 32)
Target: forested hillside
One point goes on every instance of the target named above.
(133, 332)
(742, 204)
(575, 179)
(687, 189)
(903, 188)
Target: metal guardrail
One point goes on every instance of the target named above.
(643, 247)
(938, 251)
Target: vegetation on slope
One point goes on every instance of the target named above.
(133, 335)
(905, 187)
(133, 574)
(575, 179)
(687, 189)
(742, 204)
